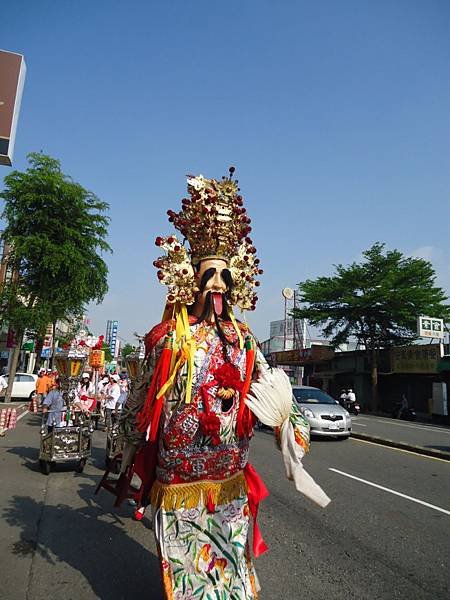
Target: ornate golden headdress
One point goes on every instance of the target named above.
(215, 224)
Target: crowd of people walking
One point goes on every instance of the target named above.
(106, 399)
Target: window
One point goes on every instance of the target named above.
(312, 396)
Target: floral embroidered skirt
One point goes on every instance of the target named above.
(201, 530)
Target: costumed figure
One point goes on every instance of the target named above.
(190, 413)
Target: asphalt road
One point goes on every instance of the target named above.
(415, 433)
(59, 541)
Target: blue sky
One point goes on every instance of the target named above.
(335, 114)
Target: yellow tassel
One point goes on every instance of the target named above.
(191, 495)
(185, 346)
(189, 348)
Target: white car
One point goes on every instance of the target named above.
(24, 385)
(325, 415)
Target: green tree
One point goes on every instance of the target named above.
(126, 350)
(56, 231)
(377, 302)
(108, 356)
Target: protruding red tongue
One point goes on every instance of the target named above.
(218, 303)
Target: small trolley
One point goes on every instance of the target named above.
(66, 433)
(68, 441)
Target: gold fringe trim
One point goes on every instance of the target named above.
(190, 495)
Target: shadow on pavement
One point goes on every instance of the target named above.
(30, 456)
(115, 565)
(442, 448)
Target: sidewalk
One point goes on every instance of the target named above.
(414, 436)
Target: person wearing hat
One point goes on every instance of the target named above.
(112, 395)
(85, 397)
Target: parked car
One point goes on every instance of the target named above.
(325, 415)
(24, 385)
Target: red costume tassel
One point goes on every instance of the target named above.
(143, 418)
(164, 367)
(244, 424)
(256, 491)
(151, 412)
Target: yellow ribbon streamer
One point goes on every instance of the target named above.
(184, 348)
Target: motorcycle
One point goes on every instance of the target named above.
(352, 407)
(406, 413)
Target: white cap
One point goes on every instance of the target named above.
(85, 375)
(115, 377)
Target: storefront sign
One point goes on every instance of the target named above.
(416, 359)
(302, 356)
(430, 327)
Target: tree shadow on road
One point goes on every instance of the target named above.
(115, 565)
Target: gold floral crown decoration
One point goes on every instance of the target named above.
(215, 224)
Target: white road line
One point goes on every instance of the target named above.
(359, 424)
(424, 427)
(385, 489)
(25, 412)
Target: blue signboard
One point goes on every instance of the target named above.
(113, 341)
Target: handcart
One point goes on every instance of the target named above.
(66, 434)
(68, 440)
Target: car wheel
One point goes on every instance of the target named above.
(44, 465)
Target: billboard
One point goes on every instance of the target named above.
(303, 356)
(111, 336)
(430, 327)
(421, 358)
(12, 78)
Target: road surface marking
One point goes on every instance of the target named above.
(400, 450)
(359, 424)
(25, 412)
(385, 489)
(425, 427)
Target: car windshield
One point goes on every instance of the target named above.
(312, 396)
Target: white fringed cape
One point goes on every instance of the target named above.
(270, 399)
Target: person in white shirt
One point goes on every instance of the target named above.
(123, 394)
(112, 394)
(351, 396)
(3, 385)
(101, 388)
